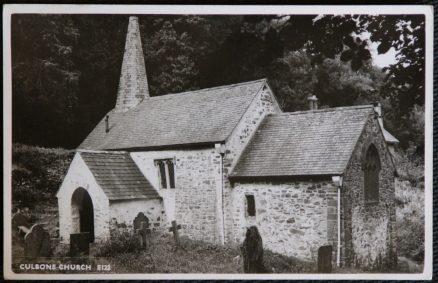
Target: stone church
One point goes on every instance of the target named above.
(221, 159)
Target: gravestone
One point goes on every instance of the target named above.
(252, 252)
(175, 227)
(80, 244)
(144, 234)
(139, 219)
(36, 242)
(19, 219)
(141, 228)
(325, 259)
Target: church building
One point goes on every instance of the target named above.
(221, 159)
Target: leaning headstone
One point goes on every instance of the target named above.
(252, 251)
(23, 230)
(36, 242)
(325, 259)
(80, 244)
(18, 219)
(139, 219)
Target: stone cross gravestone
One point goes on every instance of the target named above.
(36, 242)
(144, 234)
(141, 228)
(80, 244)
(175, 227)
(325, 259)
(252, 252)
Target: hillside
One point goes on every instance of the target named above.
(37, 174)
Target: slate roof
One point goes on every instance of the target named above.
(304, 143)
(202, 116)
(118, 176)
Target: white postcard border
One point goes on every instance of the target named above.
(10, 9)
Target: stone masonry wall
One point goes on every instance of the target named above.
(262, 105)
(369, 233)
(125, 211)
(292, 217)
(79, 176)
(194, 201)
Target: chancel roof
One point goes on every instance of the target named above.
(194, 117)
(304, 143)
(118, 175)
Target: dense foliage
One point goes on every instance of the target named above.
(37, 174)
(122, 242)
(66, 67)
(410, 220)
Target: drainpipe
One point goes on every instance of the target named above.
(338, 182)
(221, 150)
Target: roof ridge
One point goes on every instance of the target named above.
(206, 89)
(324, 110)
(101, 151)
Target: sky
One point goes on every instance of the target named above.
(380, 60)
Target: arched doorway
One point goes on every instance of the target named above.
(82, 212)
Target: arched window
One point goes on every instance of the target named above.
(371, 174)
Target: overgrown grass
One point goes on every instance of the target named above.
(409, 197)
(410, 220)
(120, 243)
(37, 174)
(195, 257)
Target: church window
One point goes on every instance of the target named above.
(371, 175)
(250, 205)
(171, 174)
(166, 173)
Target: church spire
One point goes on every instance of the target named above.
(133, 85)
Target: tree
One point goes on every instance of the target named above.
(406, 34)
(98, 53)
(294, 78)
(405, 80)
(326, 37)
(45, 80)
(176, 47)
(68, 80)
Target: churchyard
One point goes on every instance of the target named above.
(148, 251)
(140, 249)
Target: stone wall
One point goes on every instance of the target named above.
(79, 176)
(263, 104)
(292, 217)
(202, 200)
(194, 203)
(369, 234)
(125, 211)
